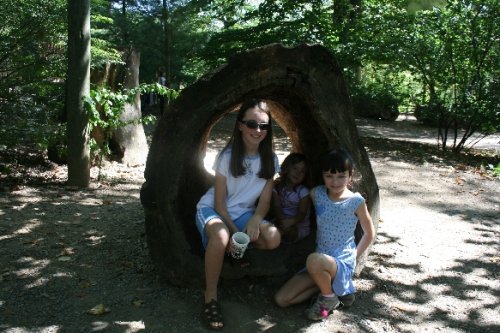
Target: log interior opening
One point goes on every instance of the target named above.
(302, 131)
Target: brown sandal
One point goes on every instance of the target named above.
(212, 315)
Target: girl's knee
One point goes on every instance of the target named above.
(280, 300)
(274, 241)
(270, 238)
(218, 236)
(313, 258)
(315, 261)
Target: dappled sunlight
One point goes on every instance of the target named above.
(37, 283)
(123, 325)
(265, 323)
(434, 265)
(25, 229)
(93, 237)
(44, 329)
(471, 279)
(19, 207)
(435, 246)
(445, 297)
(99, 326)
(432, 287)
(32, 272)
(131, 326)
(50, 238)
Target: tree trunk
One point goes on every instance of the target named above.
(78, 86)
(125, 23)
(345, 15)
(309, 101)
(129, 145)
(131, 139)
(167, 36)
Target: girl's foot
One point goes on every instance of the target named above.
(346, 301)
(322, 307)
(211, 315)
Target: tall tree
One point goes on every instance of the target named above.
(167, 32)
(78, 86)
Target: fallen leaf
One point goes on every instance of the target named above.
(459, 181)
(86, 284)
(126, 263)
(98, 310)
(32, 242)
(402, 307)
(66, 252)
(138, 303)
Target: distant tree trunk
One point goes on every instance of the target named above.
(131, 139)
(125, 24)
(128, 144)
(167, 33)
(345, 15)
(78, 86)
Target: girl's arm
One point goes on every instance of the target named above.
(263, 206)
(277, 206)
(368, 230)
(304, 205)
(220, 201)
(312, 193)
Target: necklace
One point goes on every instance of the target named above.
(248, 167)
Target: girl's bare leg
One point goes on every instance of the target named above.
(322, 269)
(269, 237)
(298, 289)
(218, 238)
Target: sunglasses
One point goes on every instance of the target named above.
(252, 124)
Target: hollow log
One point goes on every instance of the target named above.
(309, 101)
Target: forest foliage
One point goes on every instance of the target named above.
(437, 58)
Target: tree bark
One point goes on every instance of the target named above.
(131, 139)
(129, 144)
(78, 86)
(167, 36)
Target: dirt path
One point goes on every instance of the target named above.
(407, 128)
(435, 265)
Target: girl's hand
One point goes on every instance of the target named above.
(253, 231)
(232, 230)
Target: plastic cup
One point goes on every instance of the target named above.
(239, 243)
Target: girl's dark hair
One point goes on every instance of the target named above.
(237, 146)
(289, 161)
(337, 160)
